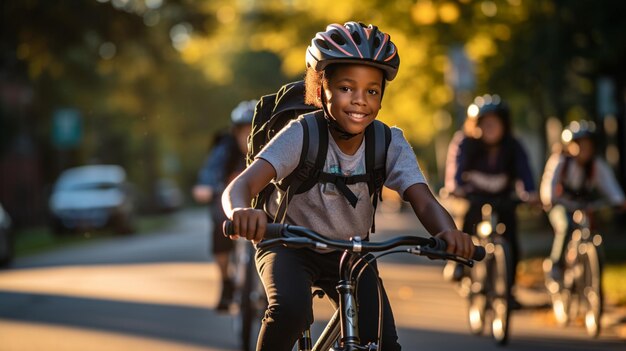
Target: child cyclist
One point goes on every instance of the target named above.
(573, 179)
(487, 163)
(224, 163)
(347, 69)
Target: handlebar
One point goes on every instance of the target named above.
(301, 237)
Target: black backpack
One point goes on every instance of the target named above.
(274, 111)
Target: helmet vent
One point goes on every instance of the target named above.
(337, 39)
(356, 38)
(376, 42)
(322, 44)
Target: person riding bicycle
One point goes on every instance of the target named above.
(485, 161)
(573, 177)
(348, 67)
(224, 163)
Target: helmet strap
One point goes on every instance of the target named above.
(332, 122)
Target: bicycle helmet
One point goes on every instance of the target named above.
(577, 130)
(353, 43)
(489, 103)
(243, 113)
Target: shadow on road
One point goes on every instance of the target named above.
(183, 324)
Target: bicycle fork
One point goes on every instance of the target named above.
(344, 325)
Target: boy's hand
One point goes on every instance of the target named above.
(249, 223)
(459, 243)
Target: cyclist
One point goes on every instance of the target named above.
(487, 161)
(224, 163)
(572, 177)
(347, 69)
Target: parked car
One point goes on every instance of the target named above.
(169, 197)
(6, 239)
(94, 196)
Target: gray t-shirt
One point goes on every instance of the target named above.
(323, 208)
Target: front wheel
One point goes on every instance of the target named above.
(252, 305)
(476, 313)
(477, 299)
(592, 289)
(500, 296)
(561, 301)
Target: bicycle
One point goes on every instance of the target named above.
(341, 332)
(579, 290)
(488, 285)
(249, 300)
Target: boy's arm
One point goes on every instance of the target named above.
(437, 220)
(248, 222)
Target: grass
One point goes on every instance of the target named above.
(40, 239)
(615, 283)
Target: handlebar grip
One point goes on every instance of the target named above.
(272, 230)
(441, 245)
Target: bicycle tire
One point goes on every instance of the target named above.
(476, 298)
(592, 289)
(252, 304)
(500, 297)
(561, 307)
(564, 298)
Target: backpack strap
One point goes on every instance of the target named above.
(312, 159)
(377, 140)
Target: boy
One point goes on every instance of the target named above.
(348, 67)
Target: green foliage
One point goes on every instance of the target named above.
(154, 80)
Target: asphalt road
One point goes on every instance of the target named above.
(157, 291)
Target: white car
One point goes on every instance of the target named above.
(93, 196)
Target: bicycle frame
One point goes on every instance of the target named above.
(343, 326)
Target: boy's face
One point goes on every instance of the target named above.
(353, 96)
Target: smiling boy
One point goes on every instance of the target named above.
(348, 67)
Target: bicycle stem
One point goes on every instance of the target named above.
(347, 302)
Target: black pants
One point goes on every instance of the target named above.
(288, 276)
(219, 242)
(506, 216)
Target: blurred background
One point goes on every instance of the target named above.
(145, 83)
(142, 86)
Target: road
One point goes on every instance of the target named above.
(157, 291)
